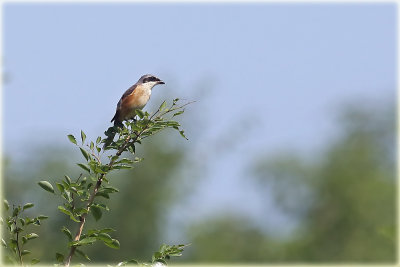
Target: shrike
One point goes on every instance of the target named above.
(136, 97)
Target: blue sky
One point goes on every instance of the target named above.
(281, 68)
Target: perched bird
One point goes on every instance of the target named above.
(136, 97)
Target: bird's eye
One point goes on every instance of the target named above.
(150, 79)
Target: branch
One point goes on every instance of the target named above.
(128, 140)
(19, 250)
(95, 190)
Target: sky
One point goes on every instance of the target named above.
(282, 70)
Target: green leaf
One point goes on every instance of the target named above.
(69, 181)
(106, 230)
(109, 189)
(124, 160)
(114, 244)
(25, 252)
(94, 231)
(173, 124)
(64, 210)
(98, 140)
(67, 232)
(89, 185)
(13, 243)
(183, 134)
(17, 230)
(105, 237)
(137, 159)
(122, 167)
(80, 252)
(157, 255)
(85, 241)
(99, 205)
(102, 194)
(178, 113)
(59, 257)
(139, 113)
(67, 196)
(132, 148)
(60, 187)
(136, 128)
(24, 240)
(6, 205)
(84, 153)
(96, 212)
(15, 211)
(73, 190)
(22, 221)
(35, 261)
(91, 145)
(162, 106)
(80, 211)
(46, 186)
(42, 217)
(72, 139)
(84, 166)
(28, 205)
(83, 136)
(3, 243)
(31, 236)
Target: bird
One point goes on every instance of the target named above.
(136, 97)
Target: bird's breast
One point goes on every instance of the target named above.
(138, 99)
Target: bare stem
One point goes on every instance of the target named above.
(17, 238)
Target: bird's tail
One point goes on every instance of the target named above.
(112, 131)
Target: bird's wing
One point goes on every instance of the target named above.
(127, 92)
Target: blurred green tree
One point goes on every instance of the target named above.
(343, 199)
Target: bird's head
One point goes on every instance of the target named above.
(150, 80)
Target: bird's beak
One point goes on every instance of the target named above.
(160, 82)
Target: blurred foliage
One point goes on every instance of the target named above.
(226, 238)
(343, 199)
